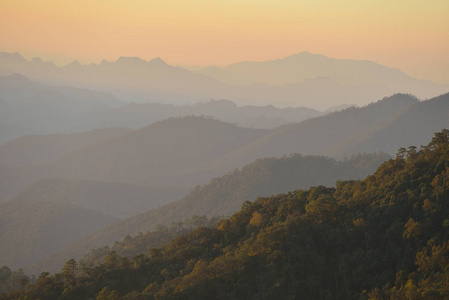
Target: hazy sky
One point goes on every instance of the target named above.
(410, 35)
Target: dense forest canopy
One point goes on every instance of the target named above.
(384, 237)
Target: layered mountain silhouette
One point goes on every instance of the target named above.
(188, 151)
(32, 230)
(409, 128)
(28, 107)
(224, 196)
(155, 155)
(51, 213)
(263, 117)
(33, 150)
(92, 153)
(112, 199)
(305, 66)
(383, 237)
(299, 80)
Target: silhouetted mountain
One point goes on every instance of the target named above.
(224, 195)
(412, 127)
(264, 117)
(27, 107)
(157, 154)
(304, 66)
(299, 80)
(189, 151)
(20, 159)
(318, 136)
(129, 77)
(193, 150)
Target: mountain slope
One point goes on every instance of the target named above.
(33, 150)
(410, 128)
(32, 231)
(384, 237)
(224, 196)
(192, 150)
(131, 78)
(264, 117)
(33, 108)
(319, 135)
(302, 80)
(156, 154)
(109, 198)
(153, 156)
(304, 66)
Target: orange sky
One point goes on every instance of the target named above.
(410, 35)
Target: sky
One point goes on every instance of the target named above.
(406, 34)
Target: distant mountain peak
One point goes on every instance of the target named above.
(398, 99)
(129, 60)
(157, 62)
(75, 63)
(305, 54)
(401, 96)
(39, 61)
(221, 103)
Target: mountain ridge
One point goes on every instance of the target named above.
(295, 84)
(225, 194)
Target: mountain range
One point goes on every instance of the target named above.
(303, 79)
(224, 195)
(157, 164)
(29, 107)
(187, 151)
(383, 237)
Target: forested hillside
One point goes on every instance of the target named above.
(384, 237)
(224, 196)
(179, 153)
(30, 231)
(139, 244)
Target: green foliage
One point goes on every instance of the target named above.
(385, 237)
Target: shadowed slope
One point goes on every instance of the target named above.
(32, 231)
(224, 195)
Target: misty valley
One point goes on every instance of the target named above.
(305, 177)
